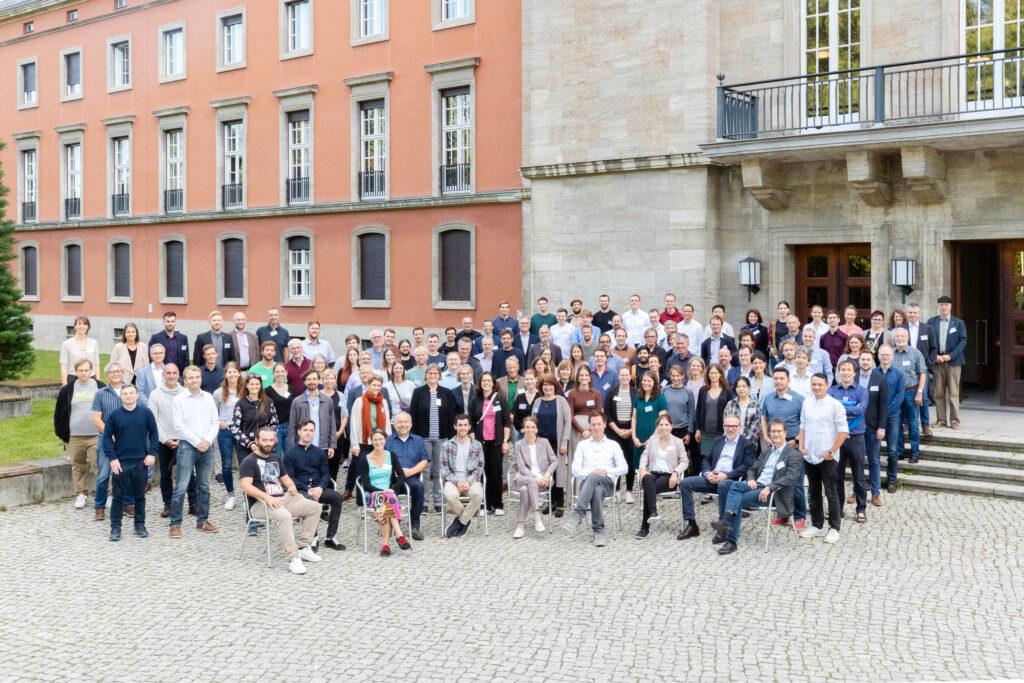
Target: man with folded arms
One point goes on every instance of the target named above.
(130, 441)
(596, 463)
(196, 423)
(823, 429)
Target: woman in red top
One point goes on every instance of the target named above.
(492, 426)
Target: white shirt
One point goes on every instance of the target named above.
(821, 329)
(801, 384)
(195, 417)
(592, 454)
(561, 336)
(534, 467)
(694, 331)
(914, 330)
(635, 322)
(821, 421)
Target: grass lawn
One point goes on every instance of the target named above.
(47, 365)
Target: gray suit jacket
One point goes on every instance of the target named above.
(784, 480)
(300, 412)
(546, 460)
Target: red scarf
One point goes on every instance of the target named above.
(377, 401)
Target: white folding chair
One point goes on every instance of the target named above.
(464, 500)
(404, 504)
(514, 497)
(249, 519)
(605, 502)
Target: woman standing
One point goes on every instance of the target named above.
(465, 393)
(897, 319)
(760, 383)
(694, 383)
(131, 354)
(399, 388)
(252, 412)
(662, 464)
(850, 326)
(710, 408)
(380, 475)
(854, 345)
(491, 426)
(347, 367)
(779, 329)
(535, 465)
(225, 399)
(564, 377)
(648, 406)
(748, 410)
(280, 394)
(577, 357)
(877, 336)
(522, 402)
(680, 404)
(583, 400)
(755, 325)
(819, 326)
(618, 407)
(79, 346)
(554, 420)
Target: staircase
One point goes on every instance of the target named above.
(957, 465)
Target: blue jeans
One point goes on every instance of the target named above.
(416, 493)
(699, 484)
(910, 413)
(282, 439)
(226, 446)
(741, 497)
(874, 450)
(189, 458)
(103, 479)
(894, 443)
(129, 485)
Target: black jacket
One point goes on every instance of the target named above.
(610, 403)
(727, 341)
(62, 411)
(362, 465)
(228, 346)
(702, 407)
(742, 461)
(419, 408)
(502, 418)
(877, 412)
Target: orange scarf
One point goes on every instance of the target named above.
(378, 402)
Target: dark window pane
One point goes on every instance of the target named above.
(298, 243)
(1018, 332)
(233, 267)
(859, 266)
(174, 266)
(29, 77)
(30, 271)
(455, 265)
(73, 269)
(74, 68)
(817, 296)
(1018, 374)
(859, 297)
(122, 270)
(372, 104)
(817, 266)
(372, 267)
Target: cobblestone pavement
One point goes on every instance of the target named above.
(929, 588)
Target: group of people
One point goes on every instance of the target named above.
(585, 404)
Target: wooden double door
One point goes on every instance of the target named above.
(834, 276)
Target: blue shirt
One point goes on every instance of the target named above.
(279, 336)
(768, 473)
(786, 408)
(911, 363)
(855, 400)
(130, 434)
(895, 382)
(410, 452)
(604, 383)
(508, 323)
(314, 411)
(307, 467)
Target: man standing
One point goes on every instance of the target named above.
(823, 430)
(921, 339)
(487, 357)
(875, 420)
(949, 335)
(212, 374)
(462, 465)
(72, 423)
(376, 348)
(147, 379)
(432, 408)
(833, 341)
(297, 365)
(314, 344)
(716, 340)
(107, 400)
(246, 343)
(818, 358)
(417, 374)
(783, 404)
(306, 465)
(488, 333)
(604, 315)
(175, 344)
(412, 455)
(504, 321)
(671, 312)
(635, 321)
(854, 399)
(501, 355)
(265, 368)
(161, 402)
(196, 425)
(544, 343)
(895, 382)
(597, 463)
(130, 439)
(215, 337)
(317, 408)
(690, 327)
(542, 317)
(602, 377)
(719, 310)
(274, 332)
(524, 339)
(681, 354)
(915, 372)
(467, 331)
(562, 331)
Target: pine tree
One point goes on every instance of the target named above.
(16, 356)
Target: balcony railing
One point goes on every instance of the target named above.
(73, 207)
(923, 91)
(231, 196)
(456, 178)
(28, 212)
(174, 201)
(297, 190)
(372, 185)
(119, 204)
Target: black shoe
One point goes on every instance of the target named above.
(323, 516)
(643, 533)
(453, 529)
(463, 528)
(545, 510)
(141, 532)
(219, 478)
(719, 538)
(914, 459)
(727, 548)
(689, 531)
(115, 534)
(192, 510)
(892, 487)
(559, 512)
(417, 535)
(723, 524)
(437, 509)
(333, 545)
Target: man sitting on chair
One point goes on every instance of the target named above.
(462, 464)
(596, 463)
(306, 465)
(263, 478)
(729, 459)
(776, 471)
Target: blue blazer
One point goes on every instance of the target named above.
(744, 459)
(956, 338)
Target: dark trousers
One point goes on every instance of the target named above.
(332, 499)
(340, 453)
(851, 455)
(131, 484)
(695, 463)
(492, 468)
(416, 494)
(350, 478)
(627, 451)
(653, 484)
(823, 477)
(166, 457)
(894, 444)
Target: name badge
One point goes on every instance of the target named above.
(648, 409)
(616, 398)
(522, 406)
(951, 330)
(273, 333)
(607, 386)
(438, 402)
(184, 347)
(787, 397)
(874, 388)
(924, 336)
(496, 408)
(590, 403)
(906, 363)
(227, 346)
(779, 465)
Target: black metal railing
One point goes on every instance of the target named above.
(456, 178)
(73, 207)
(297, 190)
(921, 91)
(119, 204)
(231, 196)
(28, 212)
(372, 185)
(174, 201)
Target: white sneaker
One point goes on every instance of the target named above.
(832, 536)
(811, 532)
(499, 512)
(296, 566)
(230, 504)
(519, 532)
(482, 513)
(308, 555)
(629, 498)
(80, 501)
(538, 525)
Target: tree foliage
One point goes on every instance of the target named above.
(16, 355)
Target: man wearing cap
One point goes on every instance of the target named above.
(950, 338)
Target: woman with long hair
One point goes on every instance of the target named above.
(280, 393)
(564, 377)
(491, 426)
(554, 419)
(583, 400)
(381, 476)
(662, 465)
(747, 409)
(850, 326)
(648, 406)
(523, 402)
(694, 383)
(253, 411)
(618, 407)
(131, 354)
(398, 387)
(755, 325)
(348, 366)
(711, 401)
(577, 356)
(225, 398)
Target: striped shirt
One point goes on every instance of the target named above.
(435, 423)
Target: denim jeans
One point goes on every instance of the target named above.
(893, 443)
(593, 490)
(874, 448)
(226, 446)
(282, 439)
(166, 457)
(434, 448)
(909, 413)
(129, 485)
(103, 479)
(741, 497)
(188, 459)
(699, 484)
(416, 494)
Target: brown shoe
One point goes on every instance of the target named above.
(166, 513)
(876, 501)
(175, 532)
(852, 499)
(129, 510)
(347, 495)
(101, 514)
(207, 527)
(927, 431)
(955, 424)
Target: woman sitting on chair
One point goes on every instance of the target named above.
(381, 476)
(661, 467)
(535, 464)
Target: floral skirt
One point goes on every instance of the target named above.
(384, 505)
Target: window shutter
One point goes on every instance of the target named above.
(455, 265)
(122, 270)
(371, 104)
(174, 267)
(372, 267)
(298, 243)
(297, 116)
(30, 272)
(73, 255)
(28, 78)
(455, 92)
(233, 265)
(74, 68)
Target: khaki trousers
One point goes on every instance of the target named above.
(947, 387)
(82, 453)
(293, 507)
(455, 506)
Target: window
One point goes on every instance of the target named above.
(120, 4)
(173, 272)
(174, 171)
(832, 43)
(28, 27)
(119, 272)
(455, 9)
(232, 31)
(120, 65)
(454, 270)
(231, 260)
(72, 15)
(372, 149)
(373, 269)
(456, 140)
(234, 164)
(72, 65)
(300, 267)
(121, 156)
(298, 26)
(72, 271)
(73, 181)
(172, 53)
(371, 18)
(29, 185)
(996, 80)
(298, 156)
(29, 273)
(29, 85)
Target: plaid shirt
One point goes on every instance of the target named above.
(474, 464)
(107, 401)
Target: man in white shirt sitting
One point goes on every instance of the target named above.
(597, 462)
(823, 429)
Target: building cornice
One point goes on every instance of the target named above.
(625, 165)
(171, 111)
(32, 9)
(369, 79)
(454, 65)
(297, 91)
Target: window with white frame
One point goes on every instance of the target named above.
(121, 156)
(832, 42)
(73, 180)
(29, 272)
(174, 170)
(232, 40)
(233, 162)
(173, 52)
(993, 81)
(29, 185)
(120, 64)
(300, 267)
(455, 9)
(371, 18)
(298, 20)
(456, 139)
(29, 85)
(72, 74)
(298, 156)
(372, 147)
